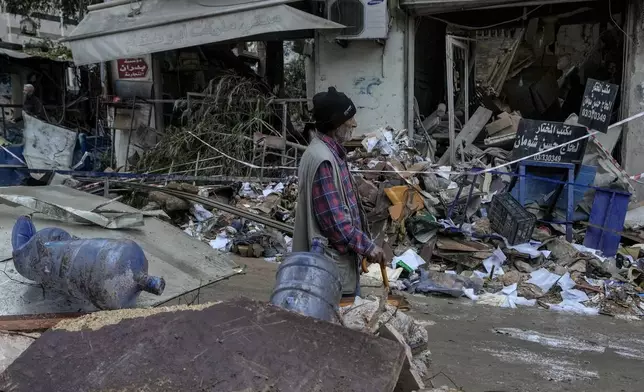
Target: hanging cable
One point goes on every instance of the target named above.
(522, 17)
(610, 14)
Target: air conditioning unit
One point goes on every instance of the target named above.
(364, 19)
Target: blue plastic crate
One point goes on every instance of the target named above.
(536, 189)
(607, 217)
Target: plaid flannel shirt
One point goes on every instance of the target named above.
(339, 222)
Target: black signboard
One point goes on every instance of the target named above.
(597, 105)
(534, 136)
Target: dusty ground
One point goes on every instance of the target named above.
(482, 348)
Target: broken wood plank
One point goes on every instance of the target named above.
(398, 301)
(469, 132)
(229, 346)
(409, 380)
(34, 322)
(465, 259)
(445, 243)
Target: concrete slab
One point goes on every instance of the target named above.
(185, 263)
(240, 345)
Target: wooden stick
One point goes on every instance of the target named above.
(385, 278)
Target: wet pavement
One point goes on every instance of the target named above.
(481, 348)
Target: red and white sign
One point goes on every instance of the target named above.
(132, 68)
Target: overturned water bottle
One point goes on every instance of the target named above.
(109, 273)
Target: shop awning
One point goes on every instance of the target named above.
(428, 7)
(138, 28)
(15, 54)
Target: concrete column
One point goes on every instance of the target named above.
(633, 93)
(410, 46)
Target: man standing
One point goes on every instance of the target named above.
(31, 104)
(328, 203)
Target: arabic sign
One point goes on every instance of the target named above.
(597, 105)
(534, 136)
(132, 68)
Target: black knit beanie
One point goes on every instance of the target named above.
(332, 109)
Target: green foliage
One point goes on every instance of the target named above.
(232, 109)
(294, 72)
(70, 8)
(49, 49)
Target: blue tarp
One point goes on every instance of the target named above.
(12, 176)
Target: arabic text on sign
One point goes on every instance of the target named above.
(209, 28)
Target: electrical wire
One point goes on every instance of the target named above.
(524, 16)
(231, 3)
(610, 14)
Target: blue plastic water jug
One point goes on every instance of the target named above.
(110, 273)
(308, 283)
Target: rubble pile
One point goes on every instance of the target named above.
(433, 222)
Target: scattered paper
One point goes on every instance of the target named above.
(289, 244)
(594, 282)
(506, 298)
(469, 293)
(200, 213)
(219, 243)
(544, 279)
(278, 188)
(410, 258)
(574, 295)
(531, 249)
(574, 307)
(373, 163)
(594, 252)
(247, 190)
(382, 139)
(369, 143)
(373, 272)
(495, 262)
(566, 282)
(481, 274)
(444, 171)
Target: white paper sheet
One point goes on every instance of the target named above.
(410, 258)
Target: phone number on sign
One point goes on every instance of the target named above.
(548, 158)
(593, 115)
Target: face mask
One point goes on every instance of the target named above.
(344, 133)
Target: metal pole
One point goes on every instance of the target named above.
(411, 53)
(4, 124)
(169, 172)
(129, 136)
(450, 98)
(467, 82)
(284, 130)
(196, 167)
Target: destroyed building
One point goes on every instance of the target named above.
(495, 160)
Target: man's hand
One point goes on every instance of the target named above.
(377, 255)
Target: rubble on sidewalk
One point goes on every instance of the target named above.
(437, 226)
